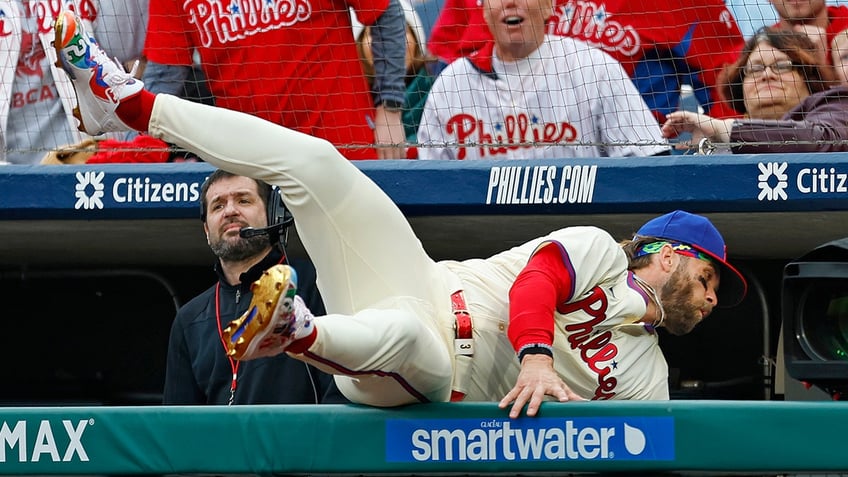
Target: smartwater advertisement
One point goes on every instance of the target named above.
(530, 439)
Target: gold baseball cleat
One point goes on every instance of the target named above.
(268, 315)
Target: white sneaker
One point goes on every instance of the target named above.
(100, 83)
(276, 317)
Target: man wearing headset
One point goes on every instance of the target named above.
(245, 224)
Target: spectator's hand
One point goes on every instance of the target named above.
(819, 37)
(536, 380)
(700, 125)
(388, 129)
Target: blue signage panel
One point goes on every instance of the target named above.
(749, 183)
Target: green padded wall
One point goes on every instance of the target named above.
(470, 438)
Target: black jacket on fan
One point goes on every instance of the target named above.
(199, 372)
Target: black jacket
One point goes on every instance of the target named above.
(199, 372)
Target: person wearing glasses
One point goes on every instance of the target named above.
(790, 100)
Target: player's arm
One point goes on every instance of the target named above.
(544, 282)
(388, 45)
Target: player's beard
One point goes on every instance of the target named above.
(239, 249)
(681, 314)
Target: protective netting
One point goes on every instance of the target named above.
(470, 79)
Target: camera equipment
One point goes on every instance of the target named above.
(815, 318)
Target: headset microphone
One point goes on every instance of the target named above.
(250, 232)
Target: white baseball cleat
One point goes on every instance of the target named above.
(100, 83)
(276, 317)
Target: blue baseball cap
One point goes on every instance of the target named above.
(701, 234)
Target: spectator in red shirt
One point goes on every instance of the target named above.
(819, 21)
(297, 67)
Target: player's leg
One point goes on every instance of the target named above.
(383, 357)
(362, 246)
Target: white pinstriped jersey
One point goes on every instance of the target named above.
(600, 350)
(566, 92)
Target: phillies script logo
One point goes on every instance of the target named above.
(588, 21)
(515, 132)
(596, 351)
(219, 23)
(47, 10)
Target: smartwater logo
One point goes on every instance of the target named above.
(530, 439)
(90, 191)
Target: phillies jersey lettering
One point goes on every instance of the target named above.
(590, 22)
(217, 23)
(299, 49)
(46, 11)
(595, 349)
(649, 40)
(516, 131)
(661, 45)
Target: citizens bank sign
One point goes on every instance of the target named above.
(94, 191)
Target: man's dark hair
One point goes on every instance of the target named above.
(262, 188)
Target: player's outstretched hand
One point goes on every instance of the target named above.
(536, 380)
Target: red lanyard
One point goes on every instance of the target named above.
(233, 363)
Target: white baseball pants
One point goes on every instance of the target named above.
(387, 331)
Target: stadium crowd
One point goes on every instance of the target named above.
(354, 78)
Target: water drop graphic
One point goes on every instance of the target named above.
(634, 440)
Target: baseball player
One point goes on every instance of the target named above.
(568, 316)
(530, 95)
